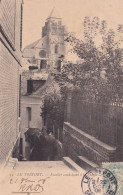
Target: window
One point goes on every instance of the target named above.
(29, 86)
(28, 110)
(43, 64)
(42, 54)
(29, 61)
(56, 49)
(59, 65)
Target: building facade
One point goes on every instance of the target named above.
(31, 102)
(31, 111)
(44, 54)
(10, 62)
(49, 50)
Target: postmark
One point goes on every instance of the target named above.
(99, 182)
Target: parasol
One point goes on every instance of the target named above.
(32, 134)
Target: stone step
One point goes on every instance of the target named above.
(72, 165)
(42, 164)
(85, 163)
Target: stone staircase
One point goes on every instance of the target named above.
(84, 149)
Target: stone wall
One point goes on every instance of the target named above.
(78, 143)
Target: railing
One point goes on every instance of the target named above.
(104, 120)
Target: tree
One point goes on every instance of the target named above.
(100, 74)
(97, 77)
(53, 105)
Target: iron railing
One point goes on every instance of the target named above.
(103, 120)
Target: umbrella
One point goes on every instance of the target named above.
(33, 134)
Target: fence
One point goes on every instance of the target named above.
(104, 120)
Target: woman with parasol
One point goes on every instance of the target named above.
(37, 144)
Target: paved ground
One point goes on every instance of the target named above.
(43, 165)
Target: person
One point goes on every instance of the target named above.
(51, 146)
(38, 148)
(43, 154)
(34, 146)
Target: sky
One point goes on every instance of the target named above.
(72, 13)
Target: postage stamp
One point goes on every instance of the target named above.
(99, 182)
(117, 169)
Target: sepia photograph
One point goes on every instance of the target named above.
(61, 97)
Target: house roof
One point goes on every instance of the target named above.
(49, 87)
(39, 76)
(39, 91)
(29, 50)
(32, 45)
(39, 44)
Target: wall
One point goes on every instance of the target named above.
(78, 143)
(9, 102)
(10, 60)
(36, 120)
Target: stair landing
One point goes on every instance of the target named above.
(43, 165)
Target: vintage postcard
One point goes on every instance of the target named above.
(61, 97)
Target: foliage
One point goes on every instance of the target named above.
(53, 106)
(101, 70)
(97, 77)
(54, 109)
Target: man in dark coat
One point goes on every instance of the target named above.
(43, 154)
(51, 146)
(34, 146)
